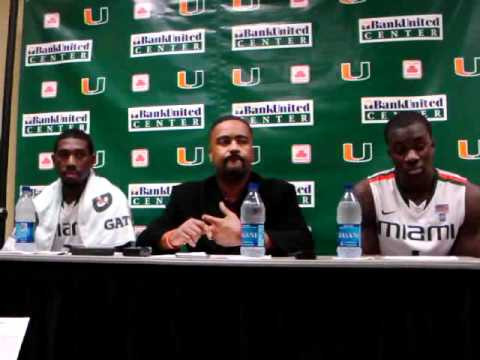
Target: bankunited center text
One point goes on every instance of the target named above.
(55, 123)
(53, 48)
(274, 109)
(272, 31)
(405, 104)
(401, 23)
(167, 113)
(166, 39)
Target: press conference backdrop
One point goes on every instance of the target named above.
(316, 79)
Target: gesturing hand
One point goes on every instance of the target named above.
(224, 231)
(188, 233)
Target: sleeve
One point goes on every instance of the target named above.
(169, 220)
(285, 223)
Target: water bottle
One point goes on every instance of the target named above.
(25, 221)
(252, 218)
(349, 228)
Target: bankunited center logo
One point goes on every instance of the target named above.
(401, 28)
(276, 113)
(166, 117)
(58, 52)
(305, 193)
(377, 110)
(53, 123)
(271, 36)
(167, 43)
(149, 196)
(464, 153)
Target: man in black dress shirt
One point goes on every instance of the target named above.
(204, 215)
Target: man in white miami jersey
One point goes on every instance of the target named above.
(416, 209)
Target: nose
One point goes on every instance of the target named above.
(234, 147)
(71, 161)
(412, 156)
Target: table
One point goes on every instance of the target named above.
(85, 307)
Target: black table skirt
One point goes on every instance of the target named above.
(147, 311)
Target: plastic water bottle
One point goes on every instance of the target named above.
(349, 228)
(252, 218)
(25, 221)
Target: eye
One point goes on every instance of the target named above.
(399, 149)
(223, 140)
(80, 154)
(420, 146)
(242, 140)
(63, 154)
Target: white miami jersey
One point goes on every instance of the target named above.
(406, 229)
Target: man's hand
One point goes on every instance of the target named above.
(188, 233)
(224, 231)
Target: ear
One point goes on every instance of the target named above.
(93, 159)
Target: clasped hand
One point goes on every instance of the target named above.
(225, 231)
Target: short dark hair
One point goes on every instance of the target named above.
(404, 119)
(76, 134)
(228, 118)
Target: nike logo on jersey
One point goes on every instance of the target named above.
(388, 212)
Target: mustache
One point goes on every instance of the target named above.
(233, 157)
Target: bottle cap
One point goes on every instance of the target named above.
(252, 186)
(348, 186)
(26, 189)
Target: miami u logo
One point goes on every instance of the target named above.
(182, 157)
(100, 88)
(351, 2)
(250, 5)
(459, 65)
(346, 70)
(348, 153)
(197, 9)
(252, 81)
(463, 152)
(182, 80)
(88, 16)
(99, 159)
(257, 154)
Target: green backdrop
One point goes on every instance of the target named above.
(315, 78)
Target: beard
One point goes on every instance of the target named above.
(234, 174)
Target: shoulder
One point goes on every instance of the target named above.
(102, 185)
(48, 192)
(451, 177)
(381, 177)
(472, 200)
(364, 194)
(276, 186)
(190, 187)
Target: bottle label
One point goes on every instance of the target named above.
(24, 231)
(349, 235)
(252, 235)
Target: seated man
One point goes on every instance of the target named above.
(204, 215)
(416, 209)
(80, 208)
